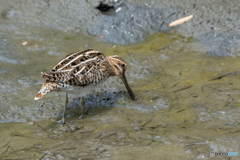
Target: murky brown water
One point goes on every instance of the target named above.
(179, 114)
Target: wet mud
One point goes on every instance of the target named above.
(180, 113)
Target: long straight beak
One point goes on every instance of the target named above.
(128, 87)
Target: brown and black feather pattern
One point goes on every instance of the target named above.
(81, 72)
(79, 69)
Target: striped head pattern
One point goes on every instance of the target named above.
(119, 66)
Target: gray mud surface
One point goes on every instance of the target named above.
(215, 23)
(179, 114)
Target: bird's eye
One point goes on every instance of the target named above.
(123, 65)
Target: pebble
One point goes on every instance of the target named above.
(201, 156)
(136, 128)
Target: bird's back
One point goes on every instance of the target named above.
(83, 69)
(79, 69)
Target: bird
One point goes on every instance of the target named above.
(80, 73)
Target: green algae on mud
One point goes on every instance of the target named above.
(166, 116)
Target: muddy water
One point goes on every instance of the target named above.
(179, 113)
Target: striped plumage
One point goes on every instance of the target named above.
(81, 72)
(77, 68)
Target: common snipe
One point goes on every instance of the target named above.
(81, 72)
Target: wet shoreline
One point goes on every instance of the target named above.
(178, 108)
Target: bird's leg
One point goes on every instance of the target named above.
(82, 109)
(64, 110)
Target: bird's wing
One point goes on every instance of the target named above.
(76, 68)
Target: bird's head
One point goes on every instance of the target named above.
(118, 67)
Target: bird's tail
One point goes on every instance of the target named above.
(46, 87)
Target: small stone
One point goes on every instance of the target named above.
(136, 128)
(25, 43)
(201, 156)
(31, 123)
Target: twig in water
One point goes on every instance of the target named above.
(183, 88)
(232, 73)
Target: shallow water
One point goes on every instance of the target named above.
(179, 114)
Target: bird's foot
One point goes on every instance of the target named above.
(81, 117)
(62, 121)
